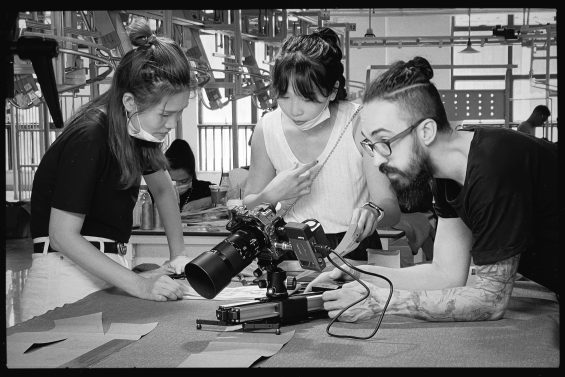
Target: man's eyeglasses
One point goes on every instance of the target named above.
(382, 147)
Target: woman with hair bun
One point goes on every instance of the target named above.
(87, 183)
(304, 154)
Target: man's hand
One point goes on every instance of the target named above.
(330, 277)
(336, 300)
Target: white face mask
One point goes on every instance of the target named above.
(308, 125)
(184, 188)
(140, 133)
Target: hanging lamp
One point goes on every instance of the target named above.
(469, 49)
(369, 32)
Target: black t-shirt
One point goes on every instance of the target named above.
(79, 174)
(509, 201)
(199, 190)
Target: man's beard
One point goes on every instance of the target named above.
(414, 191)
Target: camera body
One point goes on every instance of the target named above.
(256, 233)
(266, 227)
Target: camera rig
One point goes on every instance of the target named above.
(261, 234)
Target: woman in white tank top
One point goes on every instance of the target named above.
(313, 125)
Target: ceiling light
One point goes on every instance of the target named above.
(369, 32)
(469, 49)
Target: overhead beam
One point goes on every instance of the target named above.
(439, 41)
(400, 12)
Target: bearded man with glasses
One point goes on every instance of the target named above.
(495, 195)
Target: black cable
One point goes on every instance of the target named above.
(361, 299)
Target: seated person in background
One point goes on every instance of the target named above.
(495, 194)
(537, 118)
(193, 194)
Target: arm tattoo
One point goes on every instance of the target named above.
(484, 299)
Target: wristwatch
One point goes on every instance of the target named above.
(377, 208)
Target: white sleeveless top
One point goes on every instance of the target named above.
(339, 188)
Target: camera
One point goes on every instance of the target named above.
(258, 234)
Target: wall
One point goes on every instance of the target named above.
(406, 26)
(190, 134)
(189, 125)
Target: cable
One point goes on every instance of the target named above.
(361, 299)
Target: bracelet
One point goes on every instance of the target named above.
(377, 208)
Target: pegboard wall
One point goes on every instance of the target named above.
(473, 104)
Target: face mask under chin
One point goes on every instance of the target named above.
(140, 133)
(183, 188)
(308, 125)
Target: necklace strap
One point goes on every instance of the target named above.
(285, 211)
(186, 200)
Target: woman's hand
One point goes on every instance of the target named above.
(291, 183)
(156, 272)
(366, 222)
(198, 204)
(159, 288)
(177, 264)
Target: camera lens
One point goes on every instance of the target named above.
(212, 271)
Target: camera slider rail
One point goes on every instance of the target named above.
(268, 313)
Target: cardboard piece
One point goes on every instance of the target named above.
(237, 350)
(69, 339)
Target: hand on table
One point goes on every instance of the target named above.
(198, 204)
(337, 299)
(330, 277)
(177, 264)
(160, 288)
(156, 272)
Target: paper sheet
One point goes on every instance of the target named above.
(214, 214)
(69, 339)
(237, 350)
(346, 245)
(245, 292)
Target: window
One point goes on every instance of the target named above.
(216, 127)
(527, 87)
